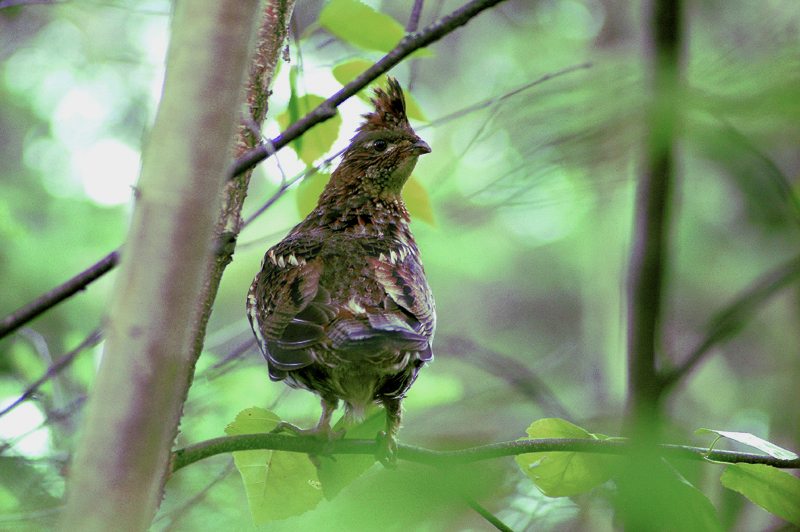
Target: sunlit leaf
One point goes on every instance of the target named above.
(318, 140)
(337, 474)
(279, 484)
(560, 474)
(417, 201)
(753, 441)
(360, 25)
(347, 71)
(774, 490)
(308, 192)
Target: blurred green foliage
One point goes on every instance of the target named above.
(532, 198)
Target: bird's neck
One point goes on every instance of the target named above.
(344, 203)
(365, 212)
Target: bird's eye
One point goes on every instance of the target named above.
(380, 145)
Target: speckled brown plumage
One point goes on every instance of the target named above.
(341, 306)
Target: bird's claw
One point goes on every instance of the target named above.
(387, 450)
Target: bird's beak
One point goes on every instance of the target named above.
(420, 147)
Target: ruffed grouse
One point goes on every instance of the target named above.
(341, 306)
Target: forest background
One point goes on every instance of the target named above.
(524, 214)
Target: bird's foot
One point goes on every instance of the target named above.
(387, 450)
(320, 432)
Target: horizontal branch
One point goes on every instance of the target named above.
(280, 442)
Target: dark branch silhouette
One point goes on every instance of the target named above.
(91, 341)
(512, 371)
(416, 13)
(327, 109)
(55, 296)
(731, 319)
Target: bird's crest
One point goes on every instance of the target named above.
(390, 110)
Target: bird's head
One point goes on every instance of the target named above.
(384, 151)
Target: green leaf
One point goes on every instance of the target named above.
(774, 490)
(347, 71)
(308, 192)
(360, 25)
(560, 474)
(691, 510)
(753, 441)
(652, 492)
(318, 140)
(279, 484)
(337, 474)
(417, 201)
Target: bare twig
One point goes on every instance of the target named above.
(178, 513)
(486, 514)
(737, 314)
(327, 109)
(774, 174)
(413, 19)
(92, 340)
(310, 445)
(493, 100)
(57, 295)
(515, 373)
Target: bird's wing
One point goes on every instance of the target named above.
(286, 306)
(399, 271)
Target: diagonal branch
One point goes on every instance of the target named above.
(55, 296)
(327, 109)
(486, 514)
(91, 341)
(737, 314)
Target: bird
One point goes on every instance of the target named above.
(341, 306)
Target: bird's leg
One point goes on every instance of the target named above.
(387, 451)
(323, 430)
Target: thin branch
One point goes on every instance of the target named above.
(286, 184)
(12, 3)
(57, 295)
(327, 109)
(486, 514)
(413, 19)
(737, 314)
(310, 445)
(512, 371)
(178, 513)
(779, 180)
(495, 99)
(92, 340)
